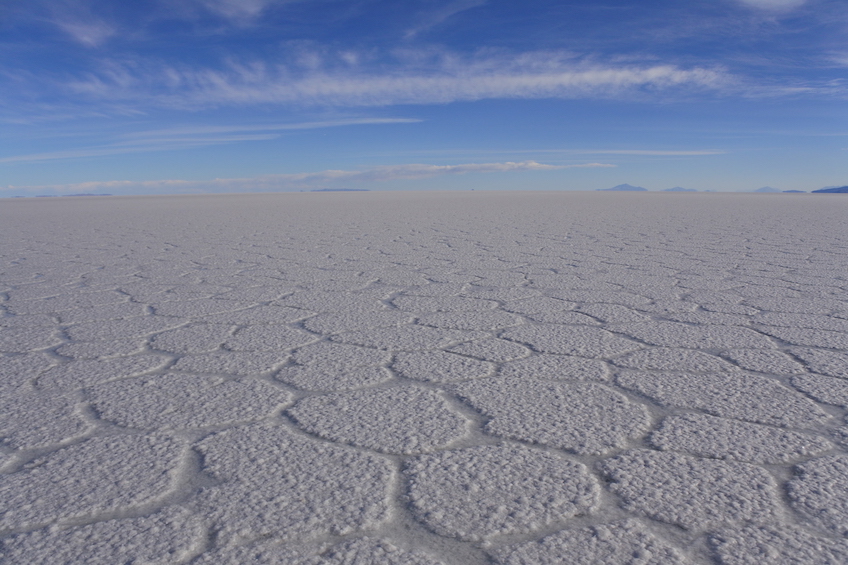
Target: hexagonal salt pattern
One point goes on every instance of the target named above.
(754, 545)
(485, 491)
(172, 535)
(570, 340)
(627, 543)
(721, 438)
(692, 492)
(424, 379)
(185, 401)
(400, 420)
(741, 396)
(360, 551)
(820, 491)
(99, 476)
(23, 425)
(585, 418)
(275, 483)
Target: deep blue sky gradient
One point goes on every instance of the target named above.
(161, 96)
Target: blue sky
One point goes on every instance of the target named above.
(185, 96)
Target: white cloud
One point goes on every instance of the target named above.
(199, 130)
(840, 59)
(295, 181)
(146, 146)
(236, 8)
(653, 152)
(240, 11)
(89, 33)
(77, 18)
(432, 19)
(774, 5)
(422, 80)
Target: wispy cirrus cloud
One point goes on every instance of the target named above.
(195, 136)
(92, 23)
(296, 181)
(839, 59)
(650, 152)
(414, 79)
(236, 9)
(91, 33)
(78, 19)
(774, 5)
(124, 147)
(318, 124)
(431, 19)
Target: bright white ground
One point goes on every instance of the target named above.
(402, 378)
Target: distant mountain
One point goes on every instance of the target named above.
(834, 190)
(625, 187)
(802, 191)
(767, 189)
(679, 189)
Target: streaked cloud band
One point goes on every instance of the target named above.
(530, 76)
(196, 136)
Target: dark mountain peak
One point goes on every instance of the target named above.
(834, 190)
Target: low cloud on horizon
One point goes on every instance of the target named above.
(295, 181)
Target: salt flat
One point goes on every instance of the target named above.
(424, 378)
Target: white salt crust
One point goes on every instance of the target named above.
(95, 477)
(585, 418)
(626, 543)
(361, 551)
(668, 359)
(494, 350)
(754, 545)
(557, 367)
(480, 492)
(23, 425)
(571, 340)
(339, 322)
(720, 438)
(691, 492)
(424, 378)
(820, 491)
(828, 390)
(180, 402)
(833, 363)
(276, 483)
(742, 396)
(406, 338)
(403, 420)
(440, 366)
(169, 536)
(84, 373)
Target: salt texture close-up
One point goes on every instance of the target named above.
(444, 378)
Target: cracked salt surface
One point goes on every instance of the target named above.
(584, 418)
(485, 491)
(276, 483)
(628, 543)
(401, 420)
(424, 379)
